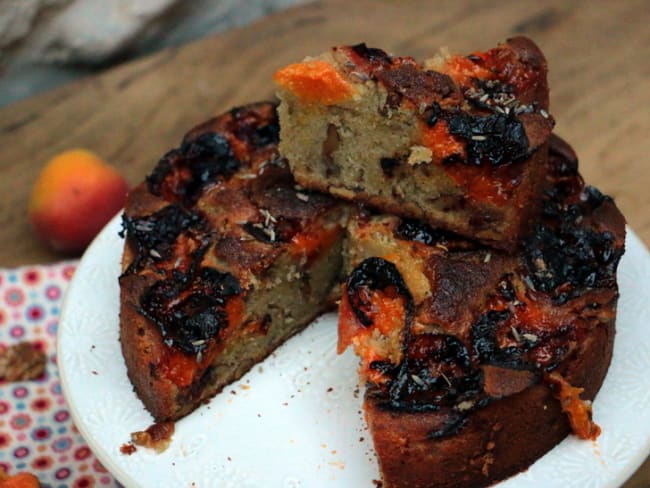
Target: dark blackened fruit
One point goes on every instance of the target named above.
(183, 173)
(376, 274)
(210, 145)
(415, 230)
(572, 257)
(435, 369)
(484, 341)
(190, 311)
(256, 130)
(418, 231)
(581, 258)
(436, 372)
(497, 138)
(372, 55)
(266, 135)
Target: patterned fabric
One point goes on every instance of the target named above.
(36, 431)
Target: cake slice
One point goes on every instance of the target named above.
(224, 259)
(460, 141)
(477, 361)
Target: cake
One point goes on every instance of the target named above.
(224, 259)
(474, 269)
(477, 361)
(459, 141)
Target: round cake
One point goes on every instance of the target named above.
(482, 341)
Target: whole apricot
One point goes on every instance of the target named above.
(20, 480)
(73, 198)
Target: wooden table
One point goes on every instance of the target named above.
(598, 53)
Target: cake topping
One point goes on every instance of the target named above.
(578, 410)
(183, 173)
(563, 256)
(418, 231)
(190, 311)
(314, 81)
(415, 230)
(402, 77)
(376, 274)
(497, 138)
(375, 56)
(153, 235)
(255, 130)
(576, 257)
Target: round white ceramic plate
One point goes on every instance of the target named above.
(295, 419)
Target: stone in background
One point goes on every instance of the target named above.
(44, 43)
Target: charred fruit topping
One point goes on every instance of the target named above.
(183, 173)
(190, 311)
(153, 235)
(375, 274)
(494, 139)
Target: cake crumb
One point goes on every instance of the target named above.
(157, 436)
(128, 448)
(419, 155)
(21, 362)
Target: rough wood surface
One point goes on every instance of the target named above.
(598, 54)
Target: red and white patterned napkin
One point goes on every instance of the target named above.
(36, 431)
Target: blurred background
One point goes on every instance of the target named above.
(45, 43)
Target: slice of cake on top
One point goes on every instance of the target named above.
(224, 260)
(460, 141)
(477, 361)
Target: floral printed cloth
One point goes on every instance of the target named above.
(36, 431)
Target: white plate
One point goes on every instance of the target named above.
(295, 420)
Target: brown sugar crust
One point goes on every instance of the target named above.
(460, 142)
(470, 392)
(218, 239)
